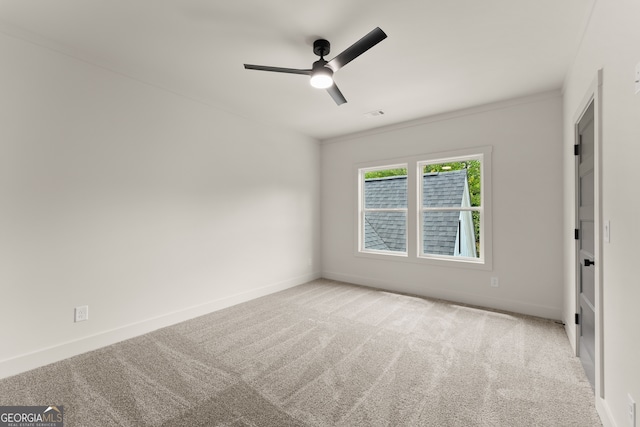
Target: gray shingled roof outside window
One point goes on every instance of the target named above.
(386, 230)
(443, 189)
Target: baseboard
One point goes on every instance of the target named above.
(547, 312)
(605, 413)
(45, 356)
(570, 330)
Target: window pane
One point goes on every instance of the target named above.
(388, 191)
(385, 231)
(450, 233)
(451, 184)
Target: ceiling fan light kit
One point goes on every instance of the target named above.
(321, 73)
(321, 76)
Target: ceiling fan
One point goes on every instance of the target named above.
(321, 71)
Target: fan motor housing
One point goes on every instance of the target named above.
(321, 47)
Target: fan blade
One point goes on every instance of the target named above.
(336, 94)
(374, 37)
(277, 69)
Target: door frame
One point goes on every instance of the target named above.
(594, 94)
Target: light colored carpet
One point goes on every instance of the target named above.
(323, 354)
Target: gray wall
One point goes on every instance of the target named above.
(611, 43)
(526, 136)
(148, 207)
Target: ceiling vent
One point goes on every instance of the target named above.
(374, 113)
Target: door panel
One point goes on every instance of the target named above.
(588, 341)
(587, 283)
(587, 242)
(586, 189)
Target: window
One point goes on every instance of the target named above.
(432, 209)
(383, 209)
(450, 208)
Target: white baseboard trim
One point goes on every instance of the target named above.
(605, 413)
(570, 329)
(45, 356)
(547, 312)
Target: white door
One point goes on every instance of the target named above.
(585, 247)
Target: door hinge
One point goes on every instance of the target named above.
(576, 234)
(576, 149)
(577, 319)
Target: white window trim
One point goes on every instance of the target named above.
(362, 210)
(422, 209)
(414, 233)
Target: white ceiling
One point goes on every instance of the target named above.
(439, 55)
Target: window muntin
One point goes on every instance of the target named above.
(383, 209)
(450, 209)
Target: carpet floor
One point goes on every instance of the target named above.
(325, 354)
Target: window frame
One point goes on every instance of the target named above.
(420, 165)
(362, 210)
(414, 218)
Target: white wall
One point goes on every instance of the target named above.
(612, 42)
(149, 207)
(526, 136)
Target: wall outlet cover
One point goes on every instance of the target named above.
(81, 313)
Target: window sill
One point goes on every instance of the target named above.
(383, 254)
(428, 261)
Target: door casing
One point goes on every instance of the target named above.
(594, 94)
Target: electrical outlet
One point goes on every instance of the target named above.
(81, 313)
(494, 282)
(631, 408)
